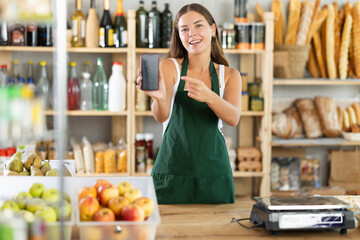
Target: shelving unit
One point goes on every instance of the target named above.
(315, 81)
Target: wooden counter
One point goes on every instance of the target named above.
(213, 222)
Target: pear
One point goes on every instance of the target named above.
(35, 171)
(45, 167)
(32, 159)
(24, 173)
(66, 171)
(53, 172)
(11, 173)
(15, 164)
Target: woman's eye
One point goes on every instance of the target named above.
(184, 29)
(198, 25)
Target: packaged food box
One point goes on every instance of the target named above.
(120, 229)
(10, 186)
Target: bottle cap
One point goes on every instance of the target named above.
(21, 80)
(149, 136)
(16, 61)
(85, 74)
(43, 63)
(139, 136)
(30, 80)
(72, 64)
(117, 63)
(29, 62)
(87, 63)
(167, 5)
(11, 80)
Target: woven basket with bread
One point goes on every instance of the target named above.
(350, 122)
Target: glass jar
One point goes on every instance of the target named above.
(256, 104)
(254, 89)
(257, 36)
(244, 83)
(228, 36)
(140, 152)
(244, 101)
(242, 37)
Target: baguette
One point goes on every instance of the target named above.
(318, 54)
(356, 37)
(305, 21)
(330, 42)
(275, 8)
(283, 16)
(344, 48)
(260, 12)
(352, 116)
(323, 43)
(346, 121)
(337, 33)
(356, 108)
(339, 111)
(348, 8)
(313, 18)
(293, 23)
(313, 69)
(320, 18)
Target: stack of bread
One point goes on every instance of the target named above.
(316, 118)
(334, 35)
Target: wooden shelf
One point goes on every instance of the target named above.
(102, 175)
(244, 113)
(70, 49)
(143, 113)
(226, 51)
(248, 174)
(152, 50)
(303, 142)
(88, 113)
(141, 174)
(315, 81)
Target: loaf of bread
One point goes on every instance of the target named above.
(281, 125)
(330, 42)
(313, 18)
(346, 121)
(355, 128)
(323, 43)
(312, 67)
(278, 30)
(348, 8)
(307, 10)
(356, 37)
(326, 109)
(309, 117)
(337, 31)
(318, 54)
(339, 112)
(356, 108)
(296, 124)
(352, 116)
(344, 48)
(316, 24)
(259, 11)
(293, 22)
(283, 16)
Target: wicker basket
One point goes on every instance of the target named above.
(352, 137)
(290, 60)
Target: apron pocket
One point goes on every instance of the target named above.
(213, 190)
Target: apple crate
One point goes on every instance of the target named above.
(12, 185)
(119, 229)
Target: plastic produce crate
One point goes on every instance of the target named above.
(119, 229)
(12, 185)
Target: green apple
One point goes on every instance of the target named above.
(9, 204)
(27, 215)
(35, 204)
(66, 210)
(47, 213)
(37, 190)
(22, 198)
(67, 197)
(51, 195)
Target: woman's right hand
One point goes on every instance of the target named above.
(156, 94)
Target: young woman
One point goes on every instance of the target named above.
(197, 92)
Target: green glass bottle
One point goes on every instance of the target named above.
(154, 26)
(141, 26)
(120, 27)
(100, 87)
(166, 27)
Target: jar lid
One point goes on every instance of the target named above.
(243, 74)
(139, 136)
(256, 98)
(244, 93)
(149, 136)
(258, 24)
(117, 63)
(253, 83)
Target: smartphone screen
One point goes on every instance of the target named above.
(149, 64)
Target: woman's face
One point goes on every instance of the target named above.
(195, 32)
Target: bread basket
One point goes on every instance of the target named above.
(352, 137)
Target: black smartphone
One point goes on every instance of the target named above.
(149, 64)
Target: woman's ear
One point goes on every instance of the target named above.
(213, 30)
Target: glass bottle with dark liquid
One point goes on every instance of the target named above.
(45, 35)
(154, 27)
(142, 26)
(17, 35)
(31, 35)
(166, 27)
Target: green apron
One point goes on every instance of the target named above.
(193, 165)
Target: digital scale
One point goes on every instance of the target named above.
(302, 213)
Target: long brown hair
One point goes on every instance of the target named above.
(177, 50)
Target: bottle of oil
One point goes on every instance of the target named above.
(166, 27)
(120, 27)
(141, 26)
(78, 26)
(106, 30)
(154, 27)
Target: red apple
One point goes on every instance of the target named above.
(123, 187)
(104, 215)
(133, 194)
(116, 204)
(107, 192)
(88, 206)
(146, 204)
(132, 212)
(88, 192)
(100, 182)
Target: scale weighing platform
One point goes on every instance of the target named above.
(302, 213)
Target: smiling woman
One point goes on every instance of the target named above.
(192, 165)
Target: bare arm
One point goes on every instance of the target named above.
(227, 109)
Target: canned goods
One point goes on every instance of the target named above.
(242, 37)
(256, 104)
(240, 11)
(228, 36)
(244, 101)
(244, 81)
(254, 89)
(257, 36)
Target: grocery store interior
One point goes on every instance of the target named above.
(79, 140)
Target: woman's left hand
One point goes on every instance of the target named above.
(197, 89)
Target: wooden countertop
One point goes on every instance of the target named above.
(213, 222)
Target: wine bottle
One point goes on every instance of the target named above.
(106, 30)
(142, 26)
(166, 27)
(154, 26)
(120, 27)
(4, 38)
(92, 23)
(78, 26)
